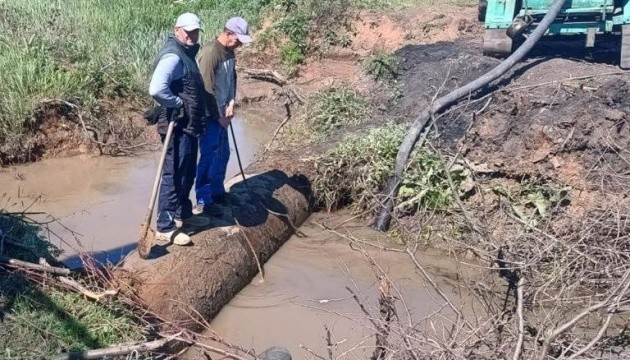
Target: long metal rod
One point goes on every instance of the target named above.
(238, 156)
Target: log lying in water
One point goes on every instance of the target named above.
(205, 276)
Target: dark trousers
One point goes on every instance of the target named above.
(178, 176)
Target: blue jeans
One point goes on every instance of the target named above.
(214, 149)
(178, 176)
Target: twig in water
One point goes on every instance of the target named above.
(312, 352)
(286, 120)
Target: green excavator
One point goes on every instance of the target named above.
(508, 21)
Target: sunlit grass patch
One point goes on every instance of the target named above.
(43, 324)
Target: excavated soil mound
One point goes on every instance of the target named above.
(550, 117)
(433, 70)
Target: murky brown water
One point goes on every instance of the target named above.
(305, 291)
(100, 201)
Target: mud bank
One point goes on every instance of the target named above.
(264, 212)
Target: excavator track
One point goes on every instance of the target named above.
(624, 62)
(496, 43)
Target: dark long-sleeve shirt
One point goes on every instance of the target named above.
(218, 69)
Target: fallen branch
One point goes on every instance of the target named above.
(620, 291)
(118, 350)
(585, 77)
(89, 293)
(264, 75)
(30, 266)
(388, 312)
(286, 120)
(355, 240)
(521, 322)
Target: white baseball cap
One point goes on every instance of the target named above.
(239, 26)
(188, 21)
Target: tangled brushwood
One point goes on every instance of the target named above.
(540, 279)
(558, 288)
(355, 170)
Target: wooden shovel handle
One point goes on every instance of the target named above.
(146, 242)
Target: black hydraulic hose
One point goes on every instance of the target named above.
(383, 218)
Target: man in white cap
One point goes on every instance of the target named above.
(178, 87)
(217, 64)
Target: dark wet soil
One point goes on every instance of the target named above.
(560, 101)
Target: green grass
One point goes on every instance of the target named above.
(381, 65)
(39, 320)
(86, 50)
(43, 324)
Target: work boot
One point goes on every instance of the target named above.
(176, 237)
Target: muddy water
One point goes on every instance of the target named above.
(304, 293)
(100, 201)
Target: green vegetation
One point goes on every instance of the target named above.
(84, 51)
(334, 107)
(304, 27)
(39, 318)
(533, 201)
(43, 322)
(357, 168)
(381, 65)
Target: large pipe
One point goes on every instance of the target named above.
(177, 282)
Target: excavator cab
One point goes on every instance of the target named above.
(507, 21)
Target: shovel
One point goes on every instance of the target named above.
(146, 239)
